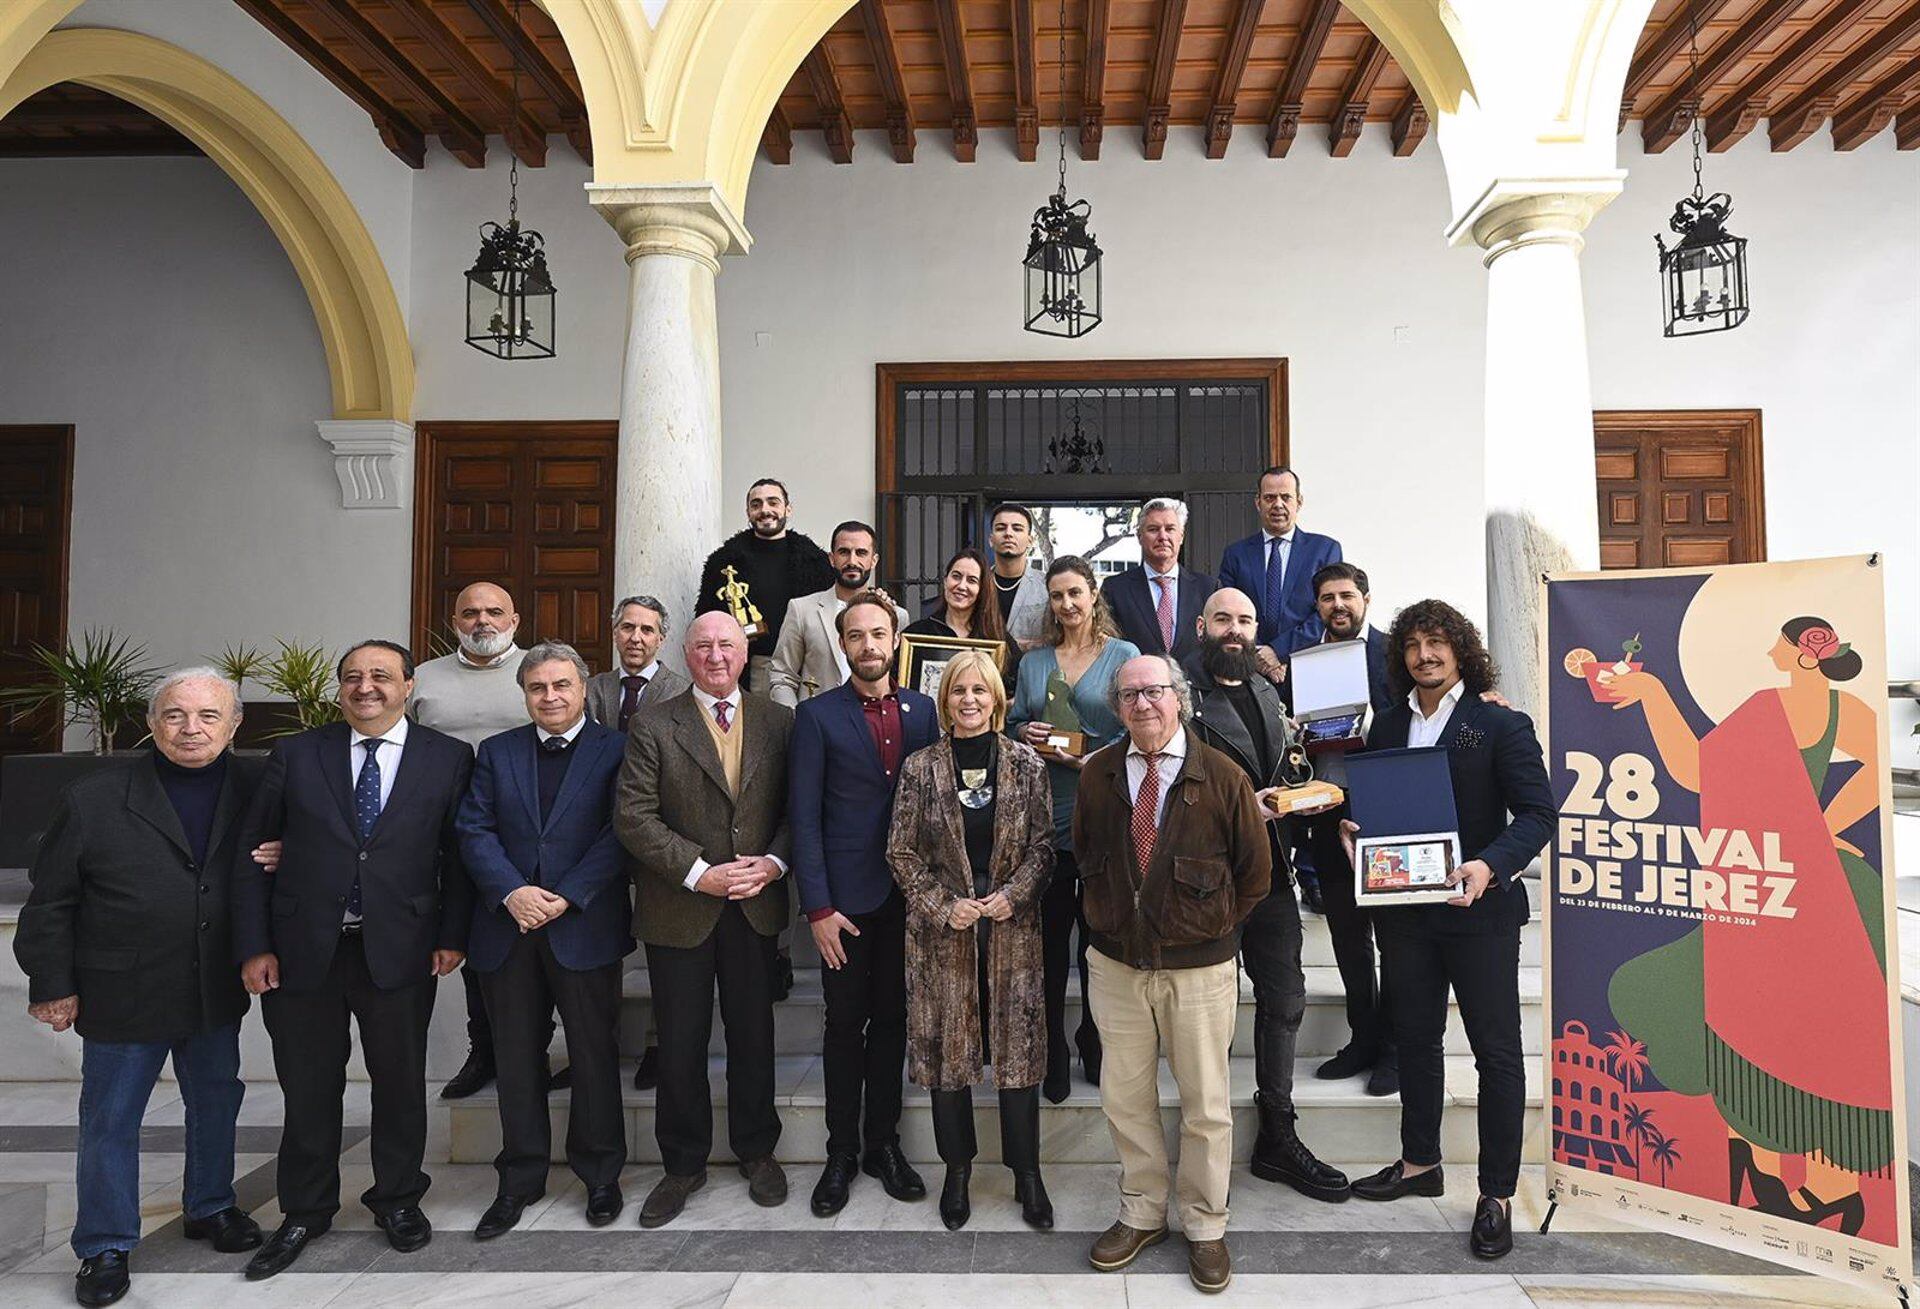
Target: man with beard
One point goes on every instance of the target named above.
(1341, 597)
(1238, 712)
(472, 694)
(848, 744)
(810, 658)
(772, 565)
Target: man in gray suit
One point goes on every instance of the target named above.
(640, 626)
(701, 805)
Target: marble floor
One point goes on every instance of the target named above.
(725, 1251)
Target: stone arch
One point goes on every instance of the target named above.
(369, 358)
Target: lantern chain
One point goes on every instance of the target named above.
(1063, 97)
(1693, 85)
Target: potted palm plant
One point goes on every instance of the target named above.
(100, 682)
(302, 674)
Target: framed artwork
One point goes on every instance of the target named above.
(923, 659)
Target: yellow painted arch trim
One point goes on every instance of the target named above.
(369, 356)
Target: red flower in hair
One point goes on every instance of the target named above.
(1819, 643)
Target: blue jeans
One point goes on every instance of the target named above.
(116, 1081)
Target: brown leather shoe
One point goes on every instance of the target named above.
(669, 1197)
(1120, 1245)
(1209, 1265)
(766, 1181)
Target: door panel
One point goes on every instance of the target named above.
(527, 505)
(1679, 488)
(36, 501)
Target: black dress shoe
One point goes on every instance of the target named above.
(955, 1205)
(1392, 1182)
(1353, 1060)
(604, 1203)
(230, 1230)
(782, 977)
(896, 1175)
(1036, 1210)
(766, 1181)
(646, 1073)
(102, 1279)
(561, 1080)
(668, 1197)
(1385, 1078)
(830, 1192)
(407, 1228)
(281, 1249)
(503, 1215)
(1310, 897)
(473, 1074)
(1492, 1229)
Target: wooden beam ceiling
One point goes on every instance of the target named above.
(1284, 123)
(1744, 107)
(1409, 125)
(1801, 116)
(1352, 115)
(1871, 110)
(1093, 78)
(1232, 71)
(953, 50)
(1026, 83)
(833, 109)
(1657, 50)
(1166, 48)
(398, 132)
(1672, 115)
(893, 83)
(1906, 129)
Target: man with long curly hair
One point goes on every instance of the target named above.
(1437, 668)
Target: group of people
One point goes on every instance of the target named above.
(504, 812)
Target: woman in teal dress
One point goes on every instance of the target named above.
(1062, 684)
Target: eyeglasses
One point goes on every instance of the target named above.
(1151, 694)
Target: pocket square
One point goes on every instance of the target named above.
(1469, 738)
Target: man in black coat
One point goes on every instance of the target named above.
(369, 904)
(771, 565)
(1471, 943)
(124, 937)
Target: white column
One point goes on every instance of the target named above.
(668, 496)
(1539, 477)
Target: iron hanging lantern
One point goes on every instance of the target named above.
(1703, 275)
(510, 294)
(1063, 256)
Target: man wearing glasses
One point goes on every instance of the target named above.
(1173, 855)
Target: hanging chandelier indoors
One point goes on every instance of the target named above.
(509, 291)
(1063, 257)
(1703, 275)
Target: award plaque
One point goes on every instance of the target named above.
(1330, 696)
(923, 659)
(1408, 845)
(1065, 736)
(1302, 791)
(734, 596)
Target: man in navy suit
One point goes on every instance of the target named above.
(848, 745)
(1276, 566)
(367, 907)
(1471, 943)
(551, 924)
(1157, 603)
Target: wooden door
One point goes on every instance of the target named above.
(527, 505)
(1679, 488)
(36, 502)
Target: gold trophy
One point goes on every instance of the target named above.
(734, 596)
(1303, 792)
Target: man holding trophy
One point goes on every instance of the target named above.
(757, 572)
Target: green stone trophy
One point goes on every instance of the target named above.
(1065, 735)
(734, 596)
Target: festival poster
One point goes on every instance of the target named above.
(1722, 989)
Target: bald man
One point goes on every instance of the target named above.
(472, 694)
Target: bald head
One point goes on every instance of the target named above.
(716, 649)
(484, 620)
(1227, 625)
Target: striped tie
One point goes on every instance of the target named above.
(1146, 814)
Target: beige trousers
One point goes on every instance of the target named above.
(1188, 1015)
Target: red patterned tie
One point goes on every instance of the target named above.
(1146, 807)
(720, 711)
(1165, 613)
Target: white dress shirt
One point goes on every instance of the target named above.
(388, 755)
(707, 702)
(1173, 757)
(1423, 730)
(840, 649)
(569, 736)
(1282, 543)
(646, 672)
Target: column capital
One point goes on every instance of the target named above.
(690, 219)
(372, 457)
(1519, 211)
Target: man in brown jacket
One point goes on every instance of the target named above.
(1173, 857)
(701, 805)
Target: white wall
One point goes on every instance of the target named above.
(150, 306)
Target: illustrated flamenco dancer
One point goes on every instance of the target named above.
(1782, 1021)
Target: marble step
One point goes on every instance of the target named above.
(1323, 1028)
(1338, 1120)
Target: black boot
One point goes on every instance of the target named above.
(1280, 1156)
(1088, 1040)
(953, 1136)
(955, 1205)
(1020, 1151)
(1059, 1079)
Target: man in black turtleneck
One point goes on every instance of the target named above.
(124, 937)
(773, 564)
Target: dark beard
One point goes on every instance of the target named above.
(1227, 665)
(858, 584)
